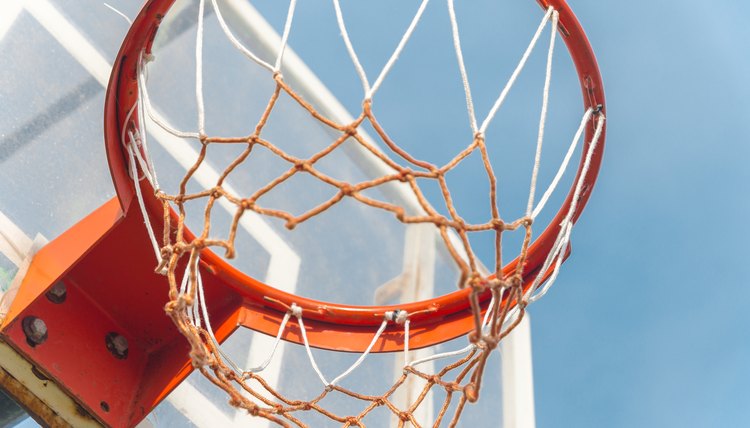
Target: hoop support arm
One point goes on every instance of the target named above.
(83, 295)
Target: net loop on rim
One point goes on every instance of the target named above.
(492, 321)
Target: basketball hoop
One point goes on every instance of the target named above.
(486, 307)
(209, 297)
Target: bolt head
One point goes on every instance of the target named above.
(35, 330)
(57, 293)
(117, 345)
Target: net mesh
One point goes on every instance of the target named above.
(461, 379)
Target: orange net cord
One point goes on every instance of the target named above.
(467, 382)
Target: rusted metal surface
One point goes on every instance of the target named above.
(42, 398)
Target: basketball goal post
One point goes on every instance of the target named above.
(76, 289)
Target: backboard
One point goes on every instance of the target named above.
(54, 169)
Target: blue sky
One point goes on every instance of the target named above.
(647, 325)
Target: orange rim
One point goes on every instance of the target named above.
(442, 318)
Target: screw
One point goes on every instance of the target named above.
(117, 345)
(57, 293)
(104, 406)
(35, 330)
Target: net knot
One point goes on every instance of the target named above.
(404, 416)
(198, 243)
(494, 284)
(247, 204)
(498, 224)
(305, 166)
(254, 410)
(452, 387)
(199, 357)
(398, 316)
(170, 306)
(471, 393)
(459, 223)
(346, 189)
(405, 174)
(166, 252)
(236, 402)
(490, 342)
(217, 192)
(441, 221)
(515, 281)
(180, 248)
(474, 338)
(400, 214)
(350, 130)
(477, 283)
(295, 310)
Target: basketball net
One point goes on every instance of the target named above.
(178, 253)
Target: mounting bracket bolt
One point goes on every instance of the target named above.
(35, 330)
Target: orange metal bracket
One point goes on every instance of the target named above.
(105, 264)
